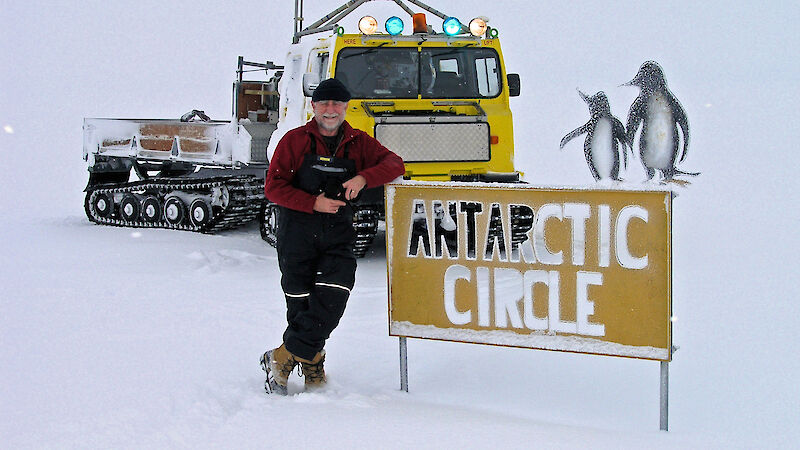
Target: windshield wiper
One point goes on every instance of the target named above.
(364, 52)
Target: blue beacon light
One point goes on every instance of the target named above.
(394, 25)
(451, 26)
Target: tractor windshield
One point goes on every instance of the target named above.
(392, 73)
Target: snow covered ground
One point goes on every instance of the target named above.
(115, 338)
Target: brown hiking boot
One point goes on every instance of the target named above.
(314, 371)
(278, 364)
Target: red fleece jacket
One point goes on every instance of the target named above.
(377, 164)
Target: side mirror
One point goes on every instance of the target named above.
(310, 83)
(513, 84)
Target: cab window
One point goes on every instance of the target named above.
(441, 72)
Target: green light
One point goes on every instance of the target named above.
(451, 26)
(340, 31)
(493, 33)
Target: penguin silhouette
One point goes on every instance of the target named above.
(660, 114)
(603, 133)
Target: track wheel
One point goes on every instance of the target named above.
(129, 208)
(269, 223)
(151, 209)
(103, 205)
(199, 212)
(174, 210)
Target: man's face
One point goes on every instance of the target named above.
(329, 115)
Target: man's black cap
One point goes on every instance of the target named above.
(331, 89)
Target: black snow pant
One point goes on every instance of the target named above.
(315, 255)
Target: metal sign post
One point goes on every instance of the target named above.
(403, 365)
(664, 396)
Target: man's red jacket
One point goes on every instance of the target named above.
(377, 164)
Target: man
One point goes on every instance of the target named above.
(316, 170)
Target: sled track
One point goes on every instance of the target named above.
(229, 202)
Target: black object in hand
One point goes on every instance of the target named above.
(333, 189)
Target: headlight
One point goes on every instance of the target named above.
(368, 25)
(477, 26)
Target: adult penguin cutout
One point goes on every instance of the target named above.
(660, 114)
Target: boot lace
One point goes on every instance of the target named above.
(286, 367)
(314, 373)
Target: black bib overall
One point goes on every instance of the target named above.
(315, 255)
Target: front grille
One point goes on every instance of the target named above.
(429, 142)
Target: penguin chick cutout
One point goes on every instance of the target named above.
(660, 114)
(605, 134)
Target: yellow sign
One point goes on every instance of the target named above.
(585, 271)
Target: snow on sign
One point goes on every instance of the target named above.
(585, 271)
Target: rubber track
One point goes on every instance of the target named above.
(245, 195)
